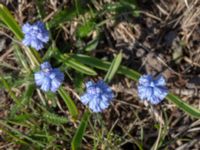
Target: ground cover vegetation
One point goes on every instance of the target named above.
(86, 74)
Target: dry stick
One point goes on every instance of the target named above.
(8, 36)
(73, 92)
(186, 3)
(60, 107)
(150, 15)
(6, 54)
(18, 42)
(154, 112)
(49, 16)
(155, 146)
(41, 97)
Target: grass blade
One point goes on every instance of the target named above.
(21, 58)
(70, 62)
(23, 101)
(76, 141)
(69, 102)
(62, 17)
(8, 19)
(183, 105)
(113, 68)
(8, 88)
(104, 65)
(21, 135)
(85, 29)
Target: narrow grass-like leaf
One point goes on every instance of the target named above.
(91, 45)
(79, 82)
(21, 135)
(23, 101)
(61, 17)
(183, 105)
(76, 141)
(69, 102)
(123, 6)
(40, 8)
(13, 135)
(8, 19)
(19, 118)
(21, 57)
(113, 67)
(70, 62)
(104, 65)
(8, 88)
(52, 51)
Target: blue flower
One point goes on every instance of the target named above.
(152, 90)
(48, 79)
(35, 35)
(98, 96)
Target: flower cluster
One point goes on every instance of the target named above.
(98, 96)
(35, 35)
(48, 79)
(152, 90)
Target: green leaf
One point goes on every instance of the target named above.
(40, 8)
(21, 58)
(20, 118)
(22, 136)
(23, 101)
(8, 19)
(183, 105)
(76, 141)
(123, 6)
(69, 102)
(79, 82)
(104, 65)
(51, 51)
(84, 29)
(54, 118)
(91, 45)
(68, 14)
(70, 62)
(8, 88)
(113, 68)
(61, 17)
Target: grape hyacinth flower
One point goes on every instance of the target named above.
(35, 35)
(98, 96)
(152, 90)
(48, 79)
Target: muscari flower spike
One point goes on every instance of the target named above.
(35, 35)
(152, 90)
(97, 96)
(48, 79)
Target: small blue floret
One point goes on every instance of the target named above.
(152, 90)
(97, 96)
(35, 35)
(48, 79)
